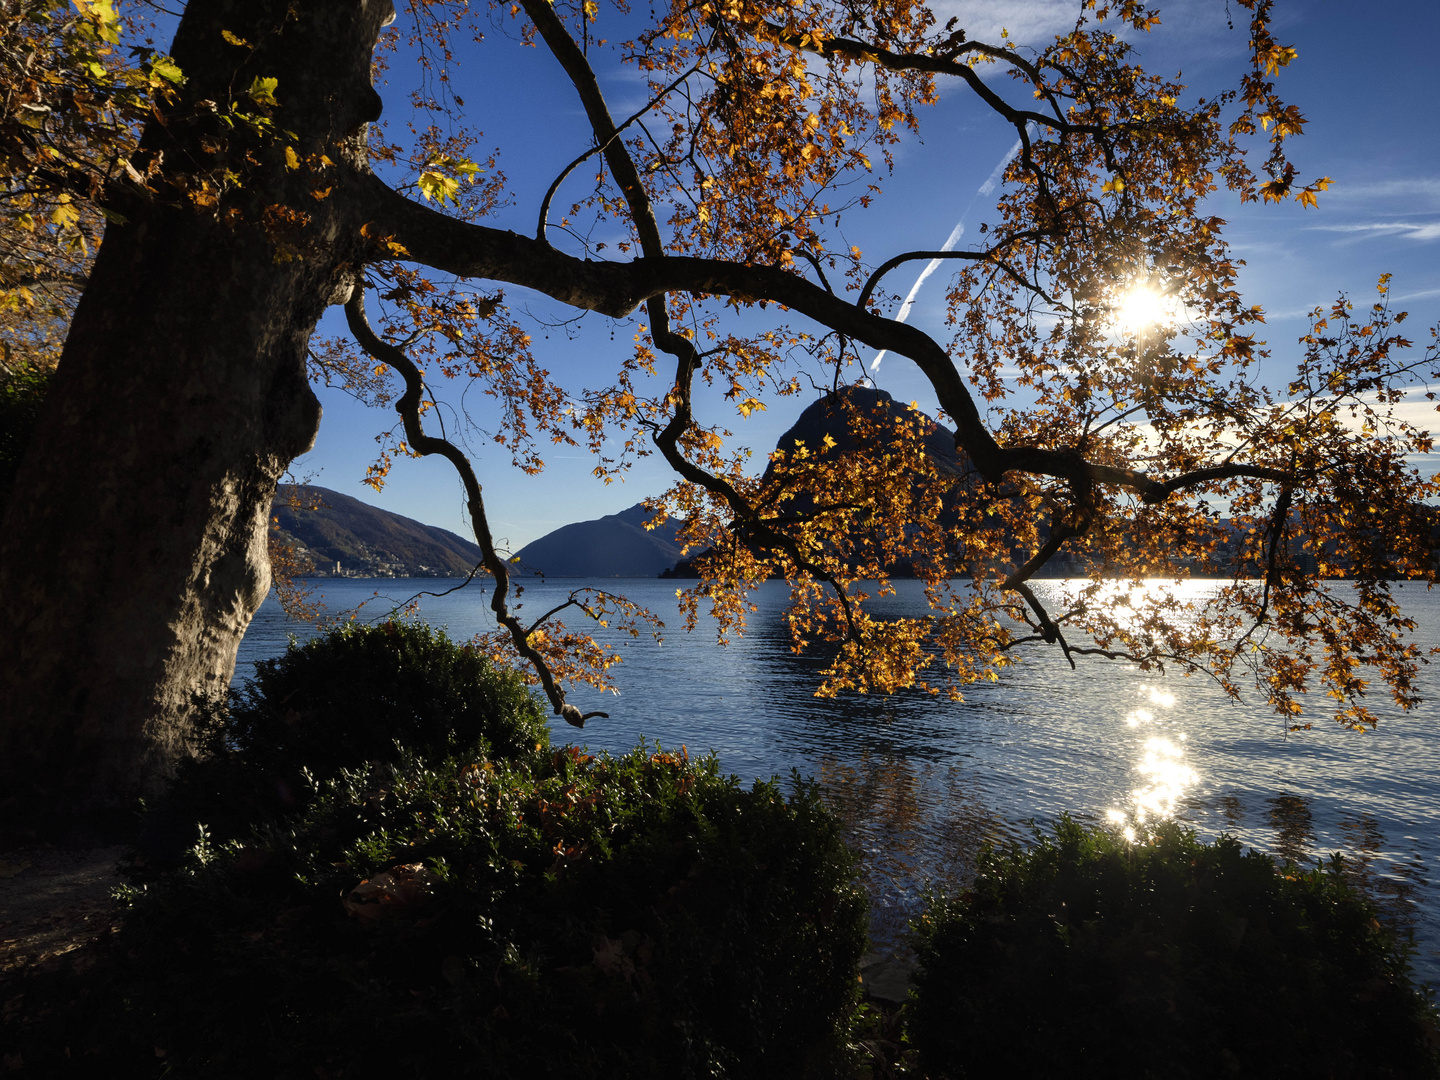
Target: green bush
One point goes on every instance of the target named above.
(554, 915)
(1088, 956)
(342, 700)
(347, 696)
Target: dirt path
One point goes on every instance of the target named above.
(53, 901)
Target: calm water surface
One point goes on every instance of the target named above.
(922, 783)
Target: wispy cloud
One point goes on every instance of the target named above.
(1419, 294)
(1412, 189)
(1034, 23)
(987, 188)
(1410, 230)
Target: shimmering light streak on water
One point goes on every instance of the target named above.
(1168, 778)
(1165, 777)
(922, 783)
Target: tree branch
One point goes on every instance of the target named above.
(409, 409)
(613, 288)
(989, 255)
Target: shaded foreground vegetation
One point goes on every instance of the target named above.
(397, 872)
(471, 901)
(1086, 955)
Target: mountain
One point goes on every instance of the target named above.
(618, 545)
(831, 416)
(348, 538)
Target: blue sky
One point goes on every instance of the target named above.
(1364, 79)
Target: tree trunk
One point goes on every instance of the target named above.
(133, 552)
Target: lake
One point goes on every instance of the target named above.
(922, 782)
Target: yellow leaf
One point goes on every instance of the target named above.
(102, 14)
(439, 187)
(292, 160)
(66, 215)
(1279, 58)
(162, 67)
(235, 39)
(262, 91)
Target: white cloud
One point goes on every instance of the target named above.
(1419, 294)
(1030, 22)
(1410, 230)
(1413, 190)
(1036, 23)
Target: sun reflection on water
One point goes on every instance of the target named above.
(1165, 774)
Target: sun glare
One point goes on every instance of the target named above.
(1141, 308)
(1165, 776)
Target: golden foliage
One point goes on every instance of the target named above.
(1128, 455)
(1113, 452)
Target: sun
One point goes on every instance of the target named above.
(1141, 308)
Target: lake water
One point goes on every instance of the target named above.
(922, 782)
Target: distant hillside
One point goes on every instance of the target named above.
(615, 546)
(348, 538)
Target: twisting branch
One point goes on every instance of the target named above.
(1048, 629)
(810, 257)
(1279, 520)
(949, 62)
(563, 47)
(687, 357)
(598, 148)
(1219, 472)
(1016, 582)
(409, 409)
(936, 64)
(1059, 534)
(614, 288)
(990, 255)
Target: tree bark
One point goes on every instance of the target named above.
(133, 554)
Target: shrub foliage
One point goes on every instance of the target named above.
(345, 699)
(1088, 956)
(510, 911)
(348, 696)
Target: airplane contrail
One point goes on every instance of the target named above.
(955, 234)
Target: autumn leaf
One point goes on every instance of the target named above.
(102, 14)
(439, 187)
(167, 69)
(262, 91)
(66, 215)
(750, 405)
